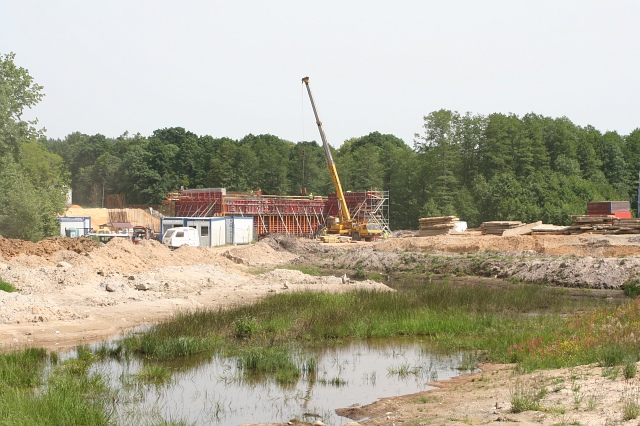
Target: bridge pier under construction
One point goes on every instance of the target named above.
(289, 215)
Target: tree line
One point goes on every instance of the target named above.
(480, 168)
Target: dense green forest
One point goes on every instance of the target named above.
(496, 167)
(480, 168)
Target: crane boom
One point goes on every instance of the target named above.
(345, 216)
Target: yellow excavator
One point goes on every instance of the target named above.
(343, 225)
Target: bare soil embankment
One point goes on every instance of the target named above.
(586, 261)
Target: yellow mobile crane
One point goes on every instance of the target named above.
(343, 224)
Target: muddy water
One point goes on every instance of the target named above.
(215, 392)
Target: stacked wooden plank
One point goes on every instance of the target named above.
(627, 226)
(547, 229)
(526, 229)
(497, 227)
(606, 224)
(441, 225)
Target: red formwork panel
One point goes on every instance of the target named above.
(619, 209)
(197, 202)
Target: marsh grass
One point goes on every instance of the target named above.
(281, 363)
(336, 382)
(405, 370)
(68, 395)
(154, 373)
(22, 369)
(6, 287)
(512, 322)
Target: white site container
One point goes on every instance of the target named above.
(211, 230)
(239, 229)
(74, 226)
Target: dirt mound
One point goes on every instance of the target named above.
(10, 247)
(259, 254)
(281, 242)
(473, 241)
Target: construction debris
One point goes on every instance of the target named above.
(498, 227)
(441, 225)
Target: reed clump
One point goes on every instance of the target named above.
(67, 396)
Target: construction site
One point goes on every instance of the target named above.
(288, 215)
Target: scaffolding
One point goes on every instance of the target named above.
(290, 215)
(196, 202)
(364, 207)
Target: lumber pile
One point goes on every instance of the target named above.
(497, 227)
(521, 230)
(441, 225)
(606, 224)
(547, 229)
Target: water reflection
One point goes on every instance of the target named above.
(215, 390)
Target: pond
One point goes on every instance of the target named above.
(214, 391)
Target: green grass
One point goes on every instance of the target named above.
(22, 369)
(154, 373)
(68, 396)
(307, 269)
(513, 322)
(5, 286)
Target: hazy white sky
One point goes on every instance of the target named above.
(230, 68)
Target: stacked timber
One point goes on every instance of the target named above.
(547, 229)
(441, 225)
(497, 227)
(606, 224)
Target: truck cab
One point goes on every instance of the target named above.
(366, 231)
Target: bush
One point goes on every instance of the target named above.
(631, 288)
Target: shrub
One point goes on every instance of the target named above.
(631, 288)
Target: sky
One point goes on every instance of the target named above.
(233, 68)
